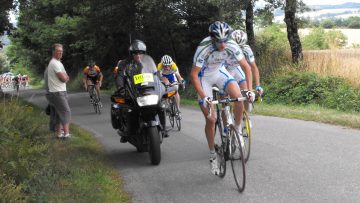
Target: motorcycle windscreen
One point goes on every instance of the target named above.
(146, 81)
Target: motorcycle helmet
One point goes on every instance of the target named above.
(137, 46)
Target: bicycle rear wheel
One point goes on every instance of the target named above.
(237, 159)
(246, 133)
(220, 148)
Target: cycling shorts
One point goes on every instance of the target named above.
(170, 77)
(220, 78)
(94, 79)
(238, 74)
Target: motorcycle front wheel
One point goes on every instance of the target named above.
(154, 145)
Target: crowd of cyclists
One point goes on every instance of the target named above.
(10, 80)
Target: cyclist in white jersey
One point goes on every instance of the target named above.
(209, 69)
(240, 37)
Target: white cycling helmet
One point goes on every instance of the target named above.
(219, 31)
(239, 36)
(166, 60)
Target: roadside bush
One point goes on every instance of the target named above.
(302, 88)
(22, 148)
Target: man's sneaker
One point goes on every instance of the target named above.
(61, 136)
(214, 166)
(67, 136)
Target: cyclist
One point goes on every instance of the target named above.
(17, 80)
(240, 37)
(92, 76)
(170, 74)
(208, 70)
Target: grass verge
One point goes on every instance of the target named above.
(36, 167)
(308, 113)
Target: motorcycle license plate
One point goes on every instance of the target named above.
(143, 77)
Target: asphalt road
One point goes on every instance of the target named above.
(291, 160)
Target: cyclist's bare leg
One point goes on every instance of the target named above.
(177, 97)
(97, 86)
(209, 126)
(88, 82)
(243, 86)
(234, 92)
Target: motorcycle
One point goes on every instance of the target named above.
(138, 114)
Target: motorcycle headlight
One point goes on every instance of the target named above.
(147, 100)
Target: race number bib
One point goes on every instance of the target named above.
(143, 77)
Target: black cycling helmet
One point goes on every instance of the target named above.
(137, 46)
(91, 63)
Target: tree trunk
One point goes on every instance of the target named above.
(292, 31)
(249, 22)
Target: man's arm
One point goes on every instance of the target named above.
(63, 76)
(247, 69)
(196, 82)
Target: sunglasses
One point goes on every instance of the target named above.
(137, 52)
(219, 41)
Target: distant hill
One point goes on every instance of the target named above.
(319, 12)
(339, 6)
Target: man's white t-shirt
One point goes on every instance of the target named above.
(54, 83)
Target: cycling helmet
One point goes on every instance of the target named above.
(239, 36)
(91, 63)
(166, 60)
(137, 46)
(219, 31)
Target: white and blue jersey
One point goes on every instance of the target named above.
(212, 63)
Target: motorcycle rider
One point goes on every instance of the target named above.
(137, 50)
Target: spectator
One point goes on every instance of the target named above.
(56, 78)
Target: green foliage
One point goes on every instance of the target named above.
(328, 23)
(318, 38)
(336, 39)
(34, 167)
(315, 40)
(298, 88)
(4, 64)
(271, 49)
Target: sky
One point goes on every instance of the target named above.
(328, 2)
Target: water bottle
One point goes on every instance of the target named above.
(228, 115)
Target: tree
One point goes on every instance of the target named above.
(6, 6)
(292, 30)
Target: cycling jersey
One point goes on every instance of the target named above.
(212, 63)
(169, 74)
(209, 59)
(249, 55)
(92, 72)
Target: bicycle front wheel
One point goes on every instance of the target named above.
(220, 143)
(246, 133)
(177, 118)
(236, 157)
(172, 112)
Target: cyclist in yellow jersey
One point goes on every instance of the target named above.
(92, 76)
(170, 74)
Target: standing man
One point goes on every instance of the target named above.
(56, 78)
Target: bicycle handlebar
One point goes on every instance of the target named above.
(224, 101)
